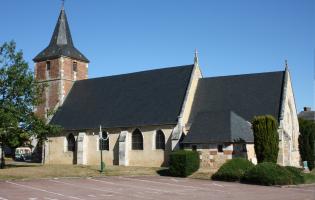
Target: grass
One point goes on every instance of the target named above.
(203, 173)
(309, 178)
(37, 171)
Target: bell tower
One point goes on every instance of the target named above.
(58, 66)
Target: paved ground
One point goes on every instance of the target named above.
(145, 188)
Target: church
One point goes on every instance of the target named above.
(138, 119)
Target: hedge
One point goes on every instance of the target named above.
(183, 163)
(306, 142)
(268, 173)
(297, 174)
(233, 170)
(266, 138)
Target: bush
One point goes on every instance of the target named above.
(306, 142)
(233, 170)
(183, 163)
(266, 138)
(297, 174)
(268, 173)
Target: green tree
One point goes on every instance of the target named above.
(306, 141)
(266, 138)
(19, 93)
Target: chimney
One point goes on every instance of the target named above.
(307, 109)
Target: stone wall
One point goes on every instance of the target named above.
(210, 157)
(57, 152)
(190, 94)
(289, 128)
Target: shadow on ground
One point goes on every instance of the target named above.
(163, 172)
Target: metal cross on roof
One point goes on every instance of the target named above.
(196, 59)
(286, 64)
(63, 3)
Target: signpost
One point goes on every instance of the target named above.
(101, 146)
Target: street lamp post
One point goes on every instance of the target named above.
(101, 140)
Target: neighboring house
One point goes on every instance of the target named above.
(307, 114)
(148, 114)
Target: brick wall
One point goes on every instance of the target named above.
(59, 80)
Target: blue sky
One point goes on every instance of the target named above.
(121, 36)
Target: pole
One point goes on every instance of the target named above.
(2, 164)
(102, 164)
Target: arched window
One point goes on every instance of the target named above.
(137, 140)
(71, 142)
(159, 140)
(104, 141)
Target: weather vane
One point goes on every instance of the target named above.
(63, 3)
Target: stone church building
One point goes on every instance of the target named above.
(141, 117)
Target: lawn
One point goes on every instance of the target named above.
(310, 177)
(36, 171)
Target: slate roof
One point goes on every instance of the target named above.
(153, 97)
(246, 95)
(61, 43)
(219, 126)
(307, 115)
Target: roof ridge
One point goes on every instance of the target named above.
(143, 71)
(240, 75)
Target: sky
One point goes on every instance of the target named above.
(122, 36)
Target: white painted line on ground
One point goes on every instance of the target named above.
(49, 198)
(91, 195)
(215, 184)
(172, 184)
(137, 187)
(75, 185)
(42, 190)
(32, 198)
(1, 198)
(91, 179)
(106, 195)
(101, 190)
(306, 190)
(175, 180)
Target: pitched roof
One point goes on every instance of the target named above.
(307, 115)
(61, 43)
(219, 126)
(151, 97)
(246, 95)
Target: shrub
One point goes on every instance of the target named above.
(266, 138)
(183, 163)
(306, 141)
(233, 170)
(297, 174)
(268, 173)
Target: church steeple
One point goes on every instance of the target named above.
(59, 65)
(61, 43)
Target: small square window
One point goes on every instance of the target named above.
(48, 65)
(75, 66)
(220, 148)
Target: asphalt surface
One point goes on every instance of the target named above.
(146, 187)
